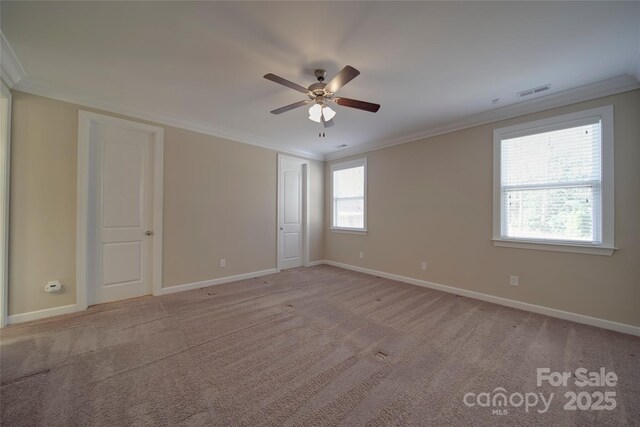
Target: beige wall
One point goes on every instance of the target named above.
(428, 200)
(42, 204)
(432, 200)
(219, 202)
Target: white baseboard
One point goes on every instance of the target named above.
(41, 314)
(560, 314)
(66, 309)
(219, 281)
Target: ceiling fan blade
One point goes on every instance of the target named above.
(285, 82)
(327, 123)
(345, 75)
(360, 105)
(289, 107)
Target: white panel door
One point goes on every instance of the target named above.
(290, 213)
(124, 212)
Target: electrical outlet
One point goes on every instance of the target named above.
(513, 280)
(223, 263)
(53, 286)
(423, 265)
(361, 255)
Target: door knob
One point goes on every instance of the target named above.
(149, 233)
(281, 228)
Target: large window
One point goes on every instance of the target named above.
(554, 183)
(349, 196)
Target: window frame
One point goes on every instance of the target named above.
(605, 115)
(348, 165)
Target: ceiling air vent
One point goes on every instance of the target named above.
(533, 91)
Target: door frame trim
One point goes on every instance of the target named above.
(84, 200)
(305, 209)
(5, 190)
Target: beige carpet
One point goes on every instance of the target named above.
(309, 346)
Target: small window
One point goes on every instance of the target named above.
(349, 196)
(553, 183)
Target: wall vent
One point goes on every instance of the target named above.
(533, 91)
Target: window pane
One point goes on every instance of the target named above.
(552, 180)
(565, 155)
(349, 213)
(556, 213)
(348, 182)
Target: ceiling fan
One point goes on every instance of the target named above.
(322, 93)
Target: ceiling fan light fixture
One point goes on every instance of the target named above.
(328, 113)
(315, 112)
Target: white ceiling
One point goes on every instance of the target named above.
(428, 64)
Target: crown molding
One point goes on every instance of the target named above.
(12, 71)
(21, 82)
(16, 78)
(583, 93)
(572, 96)
(66, 94)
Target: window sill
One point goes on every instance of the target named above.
(348, 230)
(556, 247)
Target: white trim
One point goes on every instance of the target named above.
(552, 312)
(10, 67)
(62, 93)
(556, 247)
(158, 210)
(306, 181)
(348, 230)
(83, 244)
(5, 188)
(82, 213)
(605, 116)
(572, 96)
(72, 308)
(353, 163)
(41, 314)
(212, 282)
(315, 263)
(306, 200)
